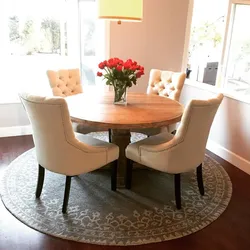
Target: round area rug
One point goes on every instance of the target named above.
(144, 214)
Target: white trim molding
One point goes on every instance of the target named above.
(15, 131)
(229, 156)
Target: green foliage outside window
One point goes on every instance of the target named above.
(29, 37)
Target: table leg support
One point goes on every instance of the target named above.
(121, 137)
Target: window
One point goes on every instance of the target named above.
(38, 35)
(35, 39)
(40, 32)
(238, 65)
(219, 45)
(206, 39)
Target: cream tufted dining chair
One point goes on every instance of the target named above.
(59, 149)
(168, 84)
(67, 82)
(180, 153)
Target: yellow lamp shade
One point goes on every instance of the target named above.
(121, 10)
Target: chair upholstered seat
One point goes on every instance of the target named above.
(111, 150)
(134, 150)
(84, 128)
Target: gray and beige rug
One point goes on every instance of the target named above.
(103, 135)
(145, 214)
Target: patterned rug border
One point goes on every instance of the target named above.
(10, 207)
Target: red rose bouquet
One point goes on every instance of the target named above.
(121, 75)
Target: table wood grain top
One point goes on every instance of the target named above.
(141, 111)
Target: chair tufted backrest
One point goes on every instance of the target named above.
(65, 82)
(166, 83)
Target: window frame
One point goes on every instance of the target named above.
(220, 85)
(105, 48)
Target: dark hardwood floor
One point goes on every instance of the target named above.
(231, 231)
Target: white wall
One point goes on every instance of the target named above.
(12, 115)
(13, 120)
(156, 42)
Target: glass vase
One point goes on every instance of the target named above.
(120, 93)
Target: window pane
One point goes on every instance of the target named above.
(238, 68)
(36, 30)
(207, 31)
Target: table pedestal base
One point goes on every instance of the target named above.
(121, 137)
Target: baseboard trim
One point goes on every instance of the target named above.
(15, 131)
(229, 156)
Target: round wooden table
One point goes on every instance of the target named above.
(141, 111)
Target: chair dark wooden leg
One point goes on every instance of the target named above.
(66, 194)
(40, 180)
(200, 179)
(114, 175)
(177, 183)
(129, 170)
(110, 139)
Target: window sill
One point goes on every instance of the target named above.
(214, 89)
